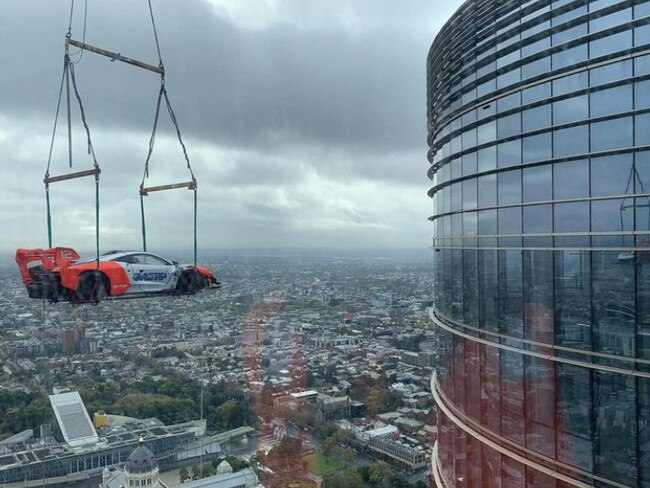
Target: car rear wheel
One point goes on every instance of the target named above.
(93, 287)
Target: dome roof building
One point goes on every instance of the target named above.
(141, 467)
(141, 460)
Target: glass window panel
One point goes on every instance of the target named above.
(570, 83)
(535, 29)
(571, 141)
(641, 129)
(487, 158)
(611, 134)
(487, 190)
(641, 10)
(574, 405)
(510, 220)
(456, 145)
(537, 148)
(535, 68)
(509, 125)
(469, 163)
(468, 96)
(642, 166)
(535, 47)
(537, 117)
(541, 92)
(537, 184)
(487, 222)
(573, 320)
(642, 220)
(540, 373)
(571, 217)
(538, 218)
(486, 110)
(610, 44)
(509, 153)
(610, 174)
(610, 101)
(509, 78)
(511, 101)
(612, 216)
(511, 322)
(470, 225)
(456, 197)
(509, 187)
(488, 68)
(488, 289)
(486, 88)
(615, 436)
(600, 4)
(642, 94)
(469, 138)
(571, 180)
(470, 198)
(571, 14)
(642, 35)
(642, 65)
(608, 21)
(569, 57)
(571, 110)
(610, 72)
(508, 58)
(487, 132)
(456, 168)
(468, 117)
(568, 34)
(644, 419)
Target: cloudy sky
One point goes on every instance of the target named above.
(304, 121)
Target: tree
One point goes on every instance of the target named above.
(379, 472)
(184, 475)
(349, 478)
(329, 446)
(349, 455)
(327, 429)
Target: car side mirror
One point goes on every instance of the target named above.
(175, 263)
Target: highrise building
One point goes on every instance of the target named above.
(539, 134)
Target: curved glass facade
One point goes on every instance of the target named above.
(539, 135)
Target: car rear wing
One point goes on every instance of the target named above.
(55, 257)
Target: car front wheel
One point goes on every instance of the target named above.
(190, 282)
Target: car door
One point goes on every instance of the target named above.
(150, 273)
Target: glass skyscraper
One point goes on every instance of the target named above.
(539, 135)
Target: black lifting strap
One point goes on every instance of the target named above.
(69, 75)
(191, 185)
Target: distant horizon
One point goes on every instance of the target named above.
(7, 255)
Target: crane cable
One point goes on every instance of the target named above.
(67, 77)
(163, 93)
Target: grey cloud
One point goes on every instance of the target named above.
(231, 86)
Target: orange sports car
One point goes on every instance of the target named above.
(57, 274)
